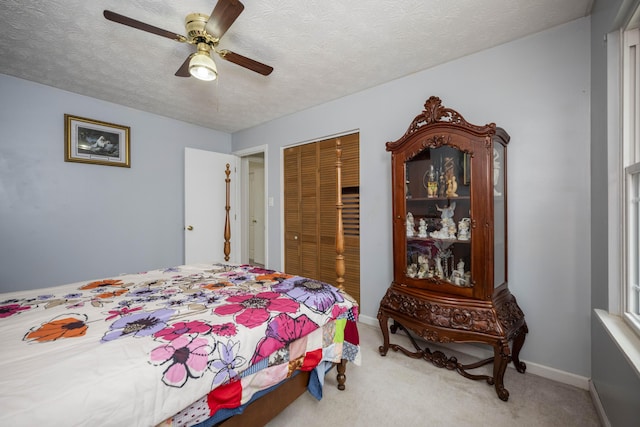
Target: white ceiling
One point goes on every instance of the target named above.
(320, 49)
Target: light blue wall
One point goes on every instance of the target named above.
(64, 222)
(537, 88)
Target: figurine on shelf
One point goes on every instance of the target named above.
(452, 186)
(446, 213)
(458, 275)
(464, 233)
(422, 228)
(423, 269)
(448, 226)
(410, 225)
(467, 279)
(439, 273)
(412, 270)
(431, 184)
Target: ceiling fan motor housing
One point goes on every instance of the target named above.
(195, 23)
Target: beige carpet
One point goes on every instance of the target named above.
(396, 390)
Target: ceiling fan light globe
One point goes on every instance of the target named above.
(202, 67)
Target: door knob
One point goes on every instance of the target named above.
(189, 227)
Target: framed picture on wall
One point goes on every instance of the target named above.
(96, 142)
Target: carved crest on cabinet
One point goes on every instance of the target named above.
(434, 112)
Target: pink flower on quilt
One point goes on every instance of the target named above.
(11, 309)
(259, 270)
(253, 310)
(182, 328)
(187, 358)
(225, 330)
(282, 330)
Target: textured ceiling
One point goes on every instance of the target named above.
(320, 49)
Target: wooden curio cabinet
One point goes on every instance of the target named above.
(450, 243)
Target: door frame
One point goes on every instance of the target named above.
(243, 200)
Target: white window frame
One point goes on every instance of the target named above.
(623, 327)
(631, 176)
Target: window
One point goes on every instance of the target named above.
(631, 170)
(622, 319)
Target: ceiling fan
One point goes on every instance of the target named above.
(204, 32)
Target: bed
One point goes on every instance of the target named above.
(207, 344)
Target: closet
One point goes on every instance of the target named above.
(310, 210)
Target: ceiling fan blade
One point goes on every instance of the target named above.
(245, 62)
(124, 20)
(224, 14)
(183, 71)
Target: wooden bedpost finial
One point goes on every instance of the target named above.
(339, 225)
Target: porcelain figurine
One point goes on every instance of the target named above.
(410, 225)
(463, 229)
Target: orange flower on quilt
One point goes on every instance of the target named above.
(101, 283)
(273, 277)
(217, 285)
(111, 294)
(60, 327)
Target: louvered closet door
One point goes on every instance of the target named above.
(310, 211)
(301, 210)
(327, 211)
(292, 222)
(309, 204)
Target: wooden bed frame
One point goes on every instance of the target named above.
(267, 407)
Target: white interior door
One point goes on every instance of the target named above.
(256, 213)
(205, 200)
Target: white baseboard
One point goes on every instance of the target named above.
(595, 398)
(532, 368)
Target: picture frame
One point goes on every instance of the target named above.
(96, 142)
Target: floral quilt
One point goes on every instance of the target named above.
(175, 344)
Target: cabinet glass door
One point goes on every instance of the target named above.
(438, 216)
(499, 219)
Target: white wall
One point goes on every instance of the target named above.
(64, 222)
(537, 88)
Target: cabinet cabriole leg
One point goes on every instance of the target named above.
(384, 327)
(518, 342)
(500, 362)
